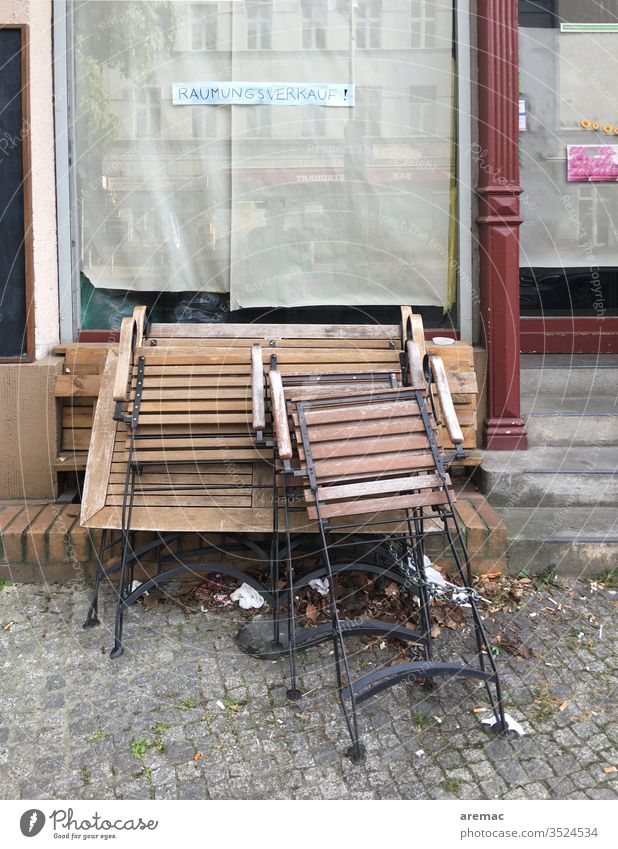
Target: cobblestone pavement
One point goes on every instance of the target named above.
(184, 714)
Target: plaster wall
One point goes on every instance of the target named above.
(37, 14)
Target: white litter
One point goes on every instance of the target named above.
(511, 724)
(247, 597)
(434, 577)
(135, 586)
(220, 704)
(321, 585)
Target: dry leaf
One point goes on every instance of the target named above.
(151, 600)
(435, 631)
(197, 756)
(392, 590)
(609, 769)
(311, 612)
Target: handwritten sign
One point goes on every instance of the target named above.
(217, 93)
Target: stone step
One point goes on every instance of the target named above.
(571, 420)
(551, 476)
(565, 374)
(577, 540)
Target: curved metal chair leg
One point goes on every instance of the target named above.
(92, 617)
(293, 693)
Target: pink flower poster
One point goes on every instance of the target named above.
(592, 163)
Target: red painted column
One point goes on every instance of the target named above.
(499, 219)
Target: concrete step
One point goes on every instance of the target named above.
(551, 476)
(577, 540)
(565, 374)
(571, 420)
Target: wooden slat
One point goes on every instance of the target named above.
(207, 519)
(374, 463)
(346, 413)
(257, 388)
(379, 505)
(195, 405)
(375, 487)
(125, 355)
(72, 385)
(275, 331)
(188, 443)
(78, 417)
(175, 380)
(274, 345)
(363, 447)
(71, 462)
(446, 402)
(101, 446)
(76, 439)
(158, 419)
(279, 414)
(217, 498)
(197, 454)
(366, 427)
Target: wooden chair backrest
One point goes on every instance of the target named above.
(369, 455)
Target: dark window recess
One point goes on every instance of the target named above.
(13, 289)
(104, 309)
(538, 13)
(569, 291)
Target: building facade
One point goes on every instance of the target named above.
(457, 127)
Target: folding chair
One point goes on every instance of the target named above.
(306, 378)
(370, 460)
(178, 457)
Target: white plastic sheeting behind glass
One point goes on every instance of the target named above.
(280, 206)
(567, 78)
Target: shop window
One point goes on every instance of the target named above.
(369, 111)
(422, 23)
(422, 109)
(147, 112)
(204, 122)
(594, 223)
(259, 25)
(259, 122)
(368, 17)
(568, 168)
(203, 19)
(314, 123)
(189, 191)
(314, 22)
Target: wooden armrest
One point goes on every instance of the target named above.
(446, 400)
(416, 332)
(280, 416)
(257, 388)
(139, 318)
(125, 355)
(131, 337)
(416, 376)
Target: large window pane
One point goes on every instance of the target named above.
(277, 206)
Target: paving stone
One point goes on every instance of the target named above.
(73, 738)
